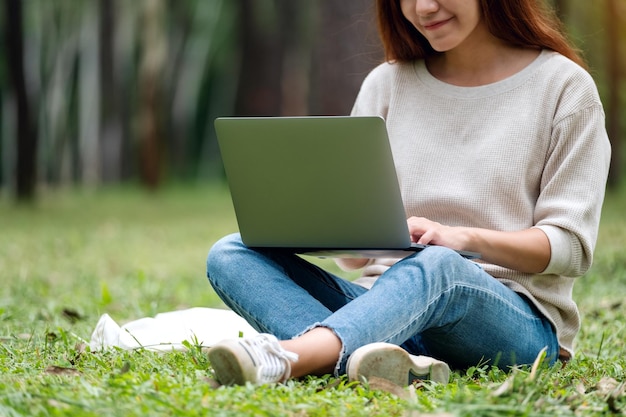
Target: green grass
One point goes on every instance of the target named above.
(77, 255)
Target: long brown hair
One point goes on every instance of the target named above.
(525, 23)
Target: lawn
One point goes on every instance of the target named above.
(79, 254)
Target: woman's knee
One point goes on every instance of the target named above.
(434, 274)
(440, 255)
(444, 264)
(222, 254)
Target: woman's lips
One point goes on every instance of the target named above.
(435, 25)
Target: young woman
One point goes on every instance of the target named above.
(500, 147)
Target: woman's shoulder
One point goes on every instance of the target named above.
(561, 67)
(379, 86)
(389, 71)
(568, 79)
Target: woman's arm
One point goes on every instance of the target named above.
(525, 250)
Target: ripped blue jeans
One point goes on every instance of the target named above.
(433, 303)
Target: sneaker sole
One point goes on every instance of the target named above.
(232, 364)
(391, 362)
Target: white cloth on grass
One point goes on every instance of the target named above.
(168, 331)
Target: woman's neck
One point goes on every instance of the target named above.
(481, 62)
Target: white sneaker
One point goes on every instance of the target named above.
(258, 360)
(391, 362)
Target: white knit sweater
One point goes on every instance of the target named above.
(527, 151)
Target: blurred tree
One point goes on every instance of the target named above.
(181, 74)
(346, 49)
(109, 90)
(88, 108)
(262, 52)
(111, 133)
(296, 33)
(614, 79)
(151, 67)
(201, 79)
(598, 30)
(26, 172)
(299, 57)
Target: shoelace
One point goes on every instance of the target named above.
(274, 361)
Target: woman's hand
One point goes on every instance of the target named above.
(428, 232)
(525, 250)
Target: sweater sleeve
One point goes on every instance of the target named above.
(573, 185)
(374, 95)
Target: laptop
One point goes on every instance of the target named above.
(317, 185)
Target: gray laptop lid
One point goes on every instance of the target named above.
(313, 183)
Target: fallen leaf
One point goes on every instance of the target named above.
(606, 386)
(538, 361)
(57, 404)
(125, 368)
(505, 387)
(71, 315)
(60, 370)
(580, 388)
(332, 385)
(212, 382)
(383, 384)
(415, 413)
(80, 347)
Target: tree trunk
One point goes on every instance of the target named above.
(150, 93)
(110, 122)
(296, 55)
(26, 168)
(89, 99)
(260, 74)
(614, 74)
(347, 49)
